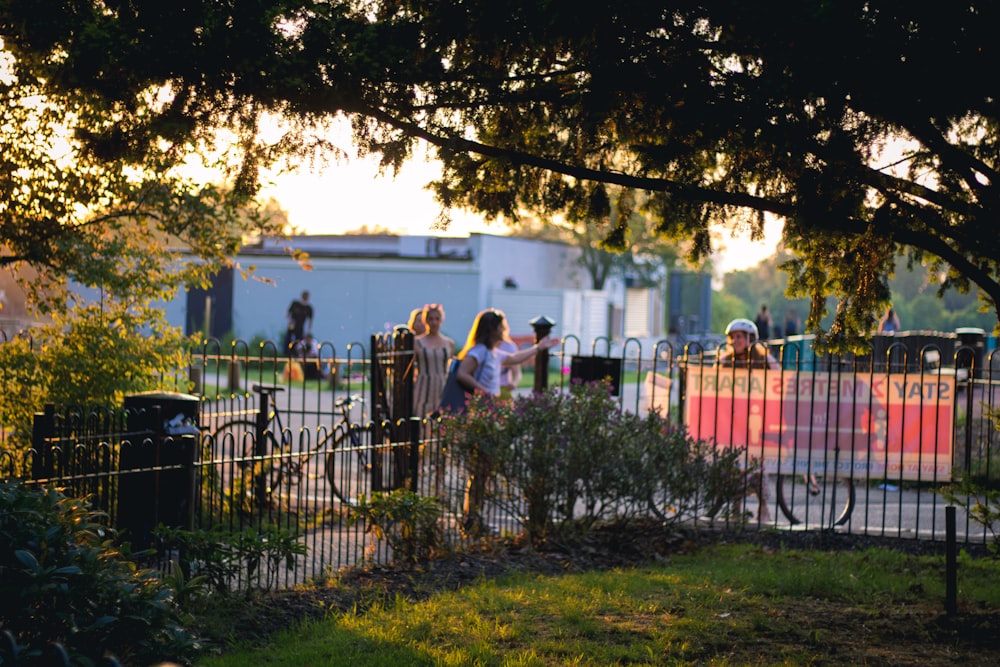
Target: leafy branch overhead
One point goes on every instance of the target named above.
(71, 211)
(853, 121)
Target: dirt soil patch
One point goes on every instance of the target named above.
(838, 632)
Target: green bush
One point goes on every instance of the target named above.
(408, 522)
(94, 355)
(62, 580)
(569, 461)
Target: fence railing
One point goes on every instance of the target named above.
(876, 434)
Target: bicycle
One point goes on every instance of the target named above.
(823, 505)
(258, 452)
(824, 502)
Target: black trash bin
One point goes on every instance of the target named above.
(156, 483)
(593, 369)
(970, 349)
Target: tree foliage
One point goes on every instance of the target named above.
(83, 214)
(854, 121)
(72, 212)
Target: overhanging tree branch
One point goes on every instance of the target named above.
(686, 192)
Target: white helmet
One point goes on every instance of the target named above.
(745, 325)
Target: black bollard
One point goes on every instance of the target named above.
(951, 562)
(543, 327)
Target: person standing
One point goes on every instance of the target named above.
(791, 322)
(416, 323)
(479, 369)
(889, 323)
(431, 352)
(300, 317)
(763, 323)
(482, 359)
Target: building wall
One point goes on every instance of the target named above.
(353, 298)
(360, 285)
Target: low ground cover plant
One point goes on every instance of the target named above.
(62, 580)
(231, 561)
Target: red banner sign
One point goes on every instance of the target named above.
(894, 426)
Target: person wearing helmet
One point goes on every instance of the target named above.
(743, 349)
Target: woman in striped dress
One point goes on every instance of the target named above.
(431, 352)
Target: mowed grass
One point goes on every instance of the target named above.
(724, 605)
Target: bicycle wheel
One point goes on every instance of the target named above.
(253, 473)
(348, 465)
(824, 506)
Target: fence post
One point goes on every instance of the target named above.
(951, 562)
(402, 405)
(379, 405)
(42, 429)
(234, 375)
(260, 487)
(543, 327)
(416, 427)
(195, 376)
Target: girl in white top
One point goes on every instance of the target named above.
(481, 358)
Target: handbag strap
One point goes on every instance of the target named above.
(453, 370)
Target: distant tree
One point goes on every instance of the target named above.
(726, 307)
(73, 212)
(850, 120)
(365, 229)
(913, 289)
(620, 241)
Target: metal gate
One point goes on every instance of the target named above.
(392, 375)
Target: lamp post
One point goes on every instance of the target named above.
(543, 327)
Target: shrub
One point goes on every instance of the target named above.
(62, 580)
(93, 355)
(407, 521)
(569, 461)
(477, 439)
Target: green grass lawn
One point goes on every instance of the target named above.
(722, 605)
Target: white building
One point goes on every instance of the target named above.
(365, 284)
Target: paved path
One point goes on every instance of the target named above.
(878, 510)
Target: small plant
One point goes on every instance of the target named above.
(981, 502)
(245, 560)
(407, 521)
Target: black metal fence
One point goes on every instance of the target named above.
(856, 444)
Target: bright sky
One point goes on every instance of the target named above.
(345, 196)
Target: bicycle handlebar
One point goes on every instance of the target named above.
(348, 401)
(267, 388)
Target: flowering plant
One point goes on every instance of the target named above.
(561, 461)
